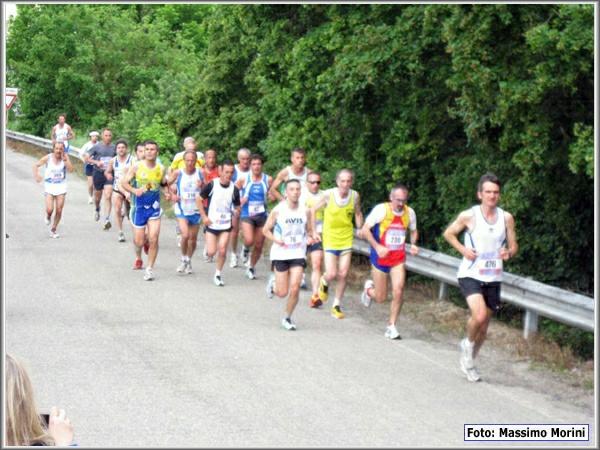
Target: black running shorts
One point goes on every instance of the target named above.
(489, 291)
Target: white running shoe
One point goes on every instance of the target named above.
(181, 267)
(54, 234)
(466, 355)
(250, 273)
(47, 220)
(391, 332)
(121, 236)
(270, 285)
(365, 299)
(218, 280)
(303, 282)
(148, 274)
(233, 260)
(288, 324)
(188, 267)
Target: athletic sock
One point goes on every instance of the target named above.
(336, 302)
(217, 273)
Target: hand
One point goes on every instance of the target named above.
(100, 164)
(139, 191)
(414, 249)
(316, 238)
(470, 254)
(38, 178)
(127, 195)
(279, 242)
(206, 221)
(243, 200)
(109, 176)
(504, 254)
(60, 427)
(382, 251)
(64, 157)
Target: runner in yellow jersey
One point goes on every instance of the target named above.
(341, 205)
(147, 176)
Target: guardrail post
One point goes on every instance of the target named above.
(530, 323)
(443, 292)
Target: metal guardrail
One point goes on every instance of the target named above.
(537, 299)
(40, 142)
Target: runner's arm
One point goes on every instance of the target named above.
(126, 182)
(70, 133)
(322, 202)
(454, 229)
(53, 135)
(273, 191)
(67, 161)
(511, 238)
(268, 228)
(204, 194)
(108, 172)
(36, 173)
(358, 215)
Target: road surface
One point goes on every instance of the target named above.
(180, 362)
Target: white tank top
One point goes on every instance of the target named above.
(61, 134)
(55, 173)
(120, 169)
(302, 179)
(221, 205)
(187, 187)
(487, 239)
(291, 228)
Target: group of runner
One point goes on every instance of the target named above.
(307, 223)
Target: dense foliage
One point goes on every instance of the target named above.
(434, 95)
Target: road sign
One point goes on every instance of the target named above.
(10, 95)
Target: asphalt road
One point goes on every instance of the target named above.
(180, 362)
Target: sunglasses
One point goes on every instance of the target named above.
(314, 182)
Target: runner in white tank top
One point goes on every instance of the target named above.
(241, 170)
(116, 171)
(296, 171)
(62, 132)
(288, 227)
(223, 206)
(490, 239)
(56, 165)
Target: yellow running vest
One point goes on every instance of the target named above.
(338, 231)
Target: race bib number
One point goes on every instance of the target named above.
(294, 238)
(58, 176)
(394, 238)
(256, 208)
(224, 216)
(189, 195)
(490, 266)
(105, 160)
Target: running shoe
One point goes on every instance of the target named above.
(337, 312)
(188, 267)
(107, 225)
(270, 285)
(54, 234)
(245, 254)
(148, 274)
(218, 280)
(250, 273)
(96, 216)
(315, 301)
(323, 291)
(466, 357)
(181, 267)
(47, 220)
(233, 260)
(146, 246)
(391, 332)
(472, 374)
(138, 264)
(288, 324)
(303, 282)
(121, 236)
(365, 299)
(90, 200)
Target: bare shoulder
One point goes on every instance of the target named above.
(508, 218)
